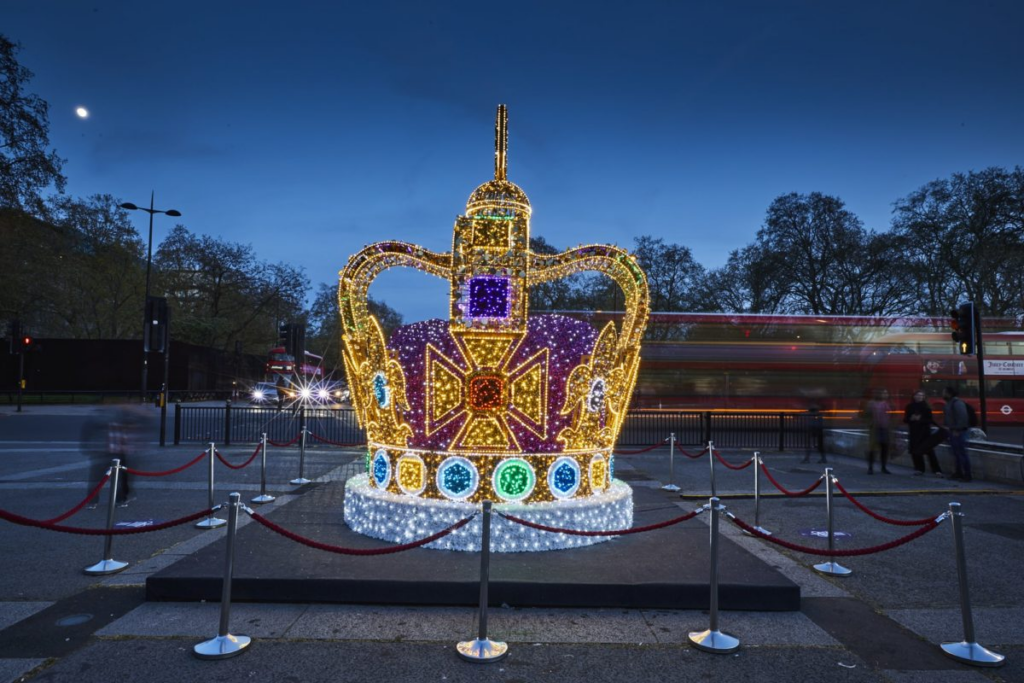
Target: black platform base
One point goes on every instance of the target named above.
(666, 568)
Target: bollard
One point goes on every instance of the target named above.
(211, 522)
(483, 649)
(226, 645)
(301, 479)
(108, 565)
(671, 485)
(831, 567)
(757, 496)
(713, 640)
(968, 651)
(264, 497)
(711, 459)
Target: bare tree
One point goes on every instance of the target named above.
(964, 240)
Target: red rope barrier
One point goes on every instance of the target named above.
(836, 553)
(880, 518)
(92, 494)
(791, 494)
(636, 453)
(284, 445)
(184, 467)
(692, 456)
(335, 443)
(244, 464)
(731, 466)
(357, 551)
(617, 532)
(40, 524)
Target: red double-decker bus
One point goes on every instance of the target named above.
(281, 368)
(782, 363)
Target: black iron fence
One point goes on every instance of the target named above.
(727, 430)
(245, 424)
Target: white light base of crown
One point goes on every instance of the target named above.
(403, 519)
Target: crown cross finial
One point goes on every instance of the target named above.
(501, 144)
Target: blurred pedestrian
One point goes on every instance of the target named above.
(920, 426)
(957, 422)
(93, 444)
(880, 431)
(816, 423)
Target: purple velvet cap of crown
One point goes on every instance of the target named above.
(566, 339)
(488, 297)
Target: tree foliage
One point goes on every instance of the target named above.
(27, 167)
(220, 293)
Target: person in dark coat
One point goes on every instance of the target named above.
(920, 423)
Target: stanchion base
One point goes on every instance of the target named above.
(670, 487)
(260, 500)
(973, 654)
(211, 523)
(222, 647)
(760, 529)
(832, 569)
(301, 481)
(482, 651)
(714, 641)
(105, 567)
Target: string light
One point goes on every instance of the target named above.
(399, 519)
(492, 404)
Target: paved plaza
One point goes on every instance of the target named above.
(882, 623)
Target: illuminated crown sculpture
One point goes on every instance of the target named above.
(491, 404)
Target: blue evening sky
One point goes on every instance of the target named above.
(310, 129)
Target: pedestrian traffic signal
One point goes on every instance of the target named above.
(963, 326)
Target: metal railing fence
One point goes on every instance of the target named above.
(245, 424)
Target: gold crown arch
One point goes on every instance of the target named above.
(491, 270)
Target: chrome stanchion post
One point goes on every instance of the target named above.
(264, 497)
(671, 485)
(301, 479)
(713, 640)
(831, 567)
(968, 650)
(483, 649)
(711, 459)
(211, 522)
(757, 496)
(108, 565)
(226, 645)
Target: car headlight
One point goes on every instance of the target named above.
(258, 395)
(323, 394)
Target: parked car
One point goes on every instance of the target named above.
(263, 393)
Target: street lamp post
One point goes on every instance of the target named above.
(149, 264)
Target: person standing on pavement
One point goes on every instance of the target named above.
(957, 423)
(920, 423)
(880, 435)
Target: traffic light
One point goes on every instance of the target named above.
(155, 332)
(963, 326)
(26, 343)
(284, 332)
